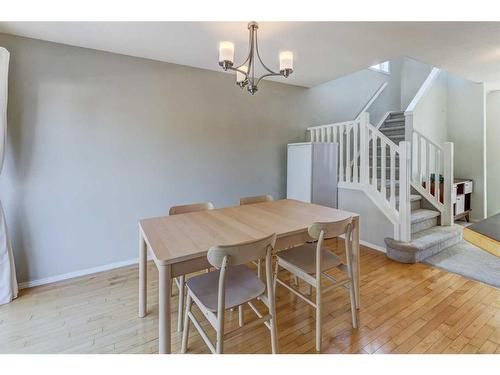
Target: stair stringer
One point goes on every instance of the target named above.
(378, 201)
(428, 197)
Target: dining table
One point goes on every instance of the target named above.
(179, 244)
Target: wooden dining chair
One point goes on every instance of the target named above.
(252, 200)
(232, 284)
(256, 199)
(181, 280)
(310, 262)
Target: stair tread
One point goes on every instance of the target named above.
(390, 138)
(393, 120)
(422, 214)
(392, 128)
(398, 113)
(413, 198)
(427, 238)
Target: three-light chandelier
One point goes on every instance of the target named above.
(245, 72)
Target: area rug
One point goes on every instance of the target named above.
(470, 261)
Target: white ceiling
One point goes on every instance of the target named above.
(323, 50)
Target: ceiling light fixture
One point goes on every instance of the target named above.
(245, 73)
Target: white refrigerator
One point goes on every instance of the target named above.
(312, 173)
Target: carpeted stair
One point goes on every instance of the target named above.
(428, 237)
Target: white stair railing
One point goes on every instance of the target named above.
(375, 171)
(432, 173)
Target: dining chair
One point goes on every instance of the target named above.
(180, 281)
(252, 200)
(310, 262)
(256, 199)
(232, 284)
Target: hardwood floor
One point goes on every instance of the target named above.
(404, 309)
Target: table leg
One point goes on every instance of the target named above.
(164, 309)
(142, 276)
(356, 259)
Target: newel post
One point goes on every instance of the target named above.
(447, 216)
(404, 191)
(364, 160)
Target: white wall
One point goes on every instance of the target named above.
(493, 152)
(97, 141)
(413, 74)
(467, 130)
(453, 109)
(431, 115)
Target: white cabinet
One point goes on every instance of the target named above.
(460, 204)
(312, 173)
(461, 198)
(467, 187)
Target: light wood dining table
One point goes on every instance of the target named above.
(179, 243)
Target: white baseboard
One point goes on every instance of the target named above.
(124, 263)
(372, 246)
(85, 272)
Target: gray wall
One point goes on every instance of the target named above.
(493, 152)
(342, 99)
(467, 130)
(97, 141)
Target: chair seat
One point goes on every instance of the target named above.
(242, 285)
(304, 257)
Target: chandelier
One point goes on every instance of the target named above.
(245, 72)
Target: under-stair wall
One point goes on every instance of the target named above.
(374, 225)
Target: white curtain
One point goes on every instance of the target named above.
(8, 281)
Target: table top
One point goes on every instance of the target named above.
(489, 227)
(177, 238)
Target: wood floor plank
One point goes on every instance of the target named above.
(405, 308)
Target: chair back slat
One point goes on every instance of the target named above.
(176, 210)
(241, 253)
(256, 199)
(330, 229)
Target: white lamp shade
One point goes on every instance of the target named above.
(240, 77)
(226, 51)
(286, 60)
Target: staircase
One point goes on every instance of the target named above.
(406, 175)
(379, 161)
(428, 237)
